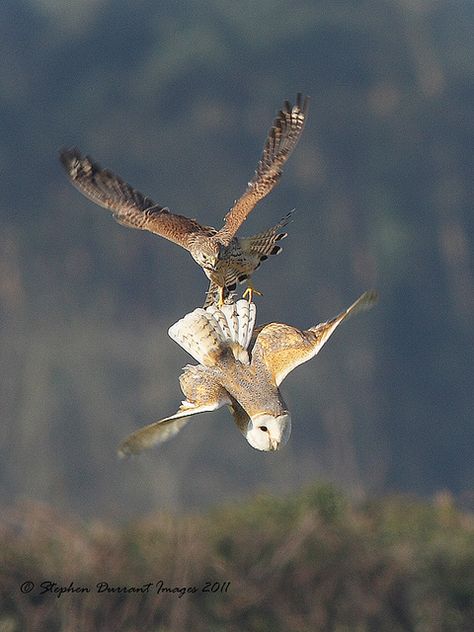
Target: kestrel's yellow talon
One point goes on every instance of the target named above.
(250, 291)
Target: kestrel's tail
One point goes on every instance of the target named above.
(207, 334)
(258, 247)
(264, 244)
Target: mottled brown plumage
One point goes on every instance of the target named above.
(225, 258)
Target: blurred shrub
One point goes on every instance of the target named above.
(309, 562)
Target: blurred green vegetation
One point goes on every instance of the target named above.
(312, 561)
(177, 99)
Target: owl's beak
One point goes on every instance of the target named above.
(268, 433)
(275, 444)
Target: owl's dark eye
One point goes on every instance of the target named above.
(263, 428)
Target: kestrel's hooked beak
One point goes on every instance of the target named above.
(268, 433)
(211, 264)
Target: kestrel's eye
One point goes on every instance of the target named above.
(263, 428)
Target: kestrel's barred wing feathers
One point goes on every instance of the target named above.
(281, 348)
(281, 141)
(129, 207)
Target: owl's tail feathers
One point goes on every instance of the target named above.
(207, 334)
(265, 243)
(236, 321)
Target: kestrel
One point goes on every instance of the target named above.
(228, 374)
(225, 258)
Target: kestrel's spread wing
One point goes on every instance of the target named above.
(281, 141)
(129, 206)
(282, 348)
(225, 259)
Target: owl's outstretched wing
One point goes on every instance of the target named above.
(203, 394)
(281, 141)
(160, 431)
(282, 348)
(129, 207)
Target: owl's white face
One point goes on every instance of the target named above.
(268, 433)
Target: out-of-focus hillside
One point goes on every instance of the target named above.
(177, 99)
(312, 562)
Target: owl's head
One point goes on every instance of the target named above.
(268, 433)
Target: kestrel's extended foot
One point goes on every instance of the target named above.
(250, 291)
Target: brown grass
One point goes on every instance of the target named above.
(311, 562)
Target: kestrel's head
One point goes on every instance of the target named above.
(207, 254)
(268, 433)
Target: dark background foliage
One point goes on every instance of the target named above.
(177, 98)
(312, 562)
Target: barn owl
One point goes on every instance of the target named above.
(230, 374)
